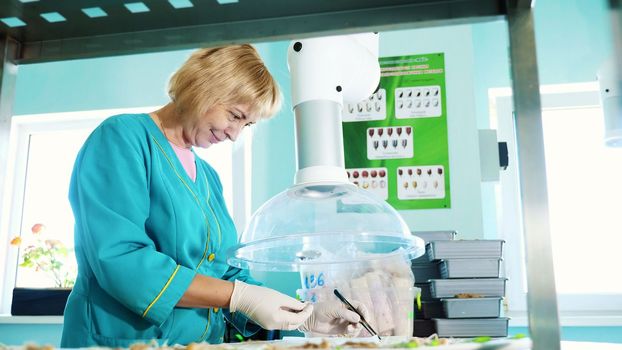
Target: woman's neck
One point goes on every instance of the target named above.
(169, 123)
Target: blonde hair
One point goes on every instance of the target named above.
(225, 75)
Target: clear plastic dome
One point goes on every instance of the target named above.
(319, 224)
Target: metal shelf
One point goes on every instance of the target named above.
(208, 22)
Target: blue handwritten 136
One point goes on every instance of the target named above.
(311, 281)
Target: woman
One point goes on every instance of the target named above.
(152, 227)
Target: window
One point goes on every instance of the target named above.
(584, 190)
(42, 152)
(46, 217)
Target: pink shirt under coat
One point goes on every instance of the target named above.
(186, 157)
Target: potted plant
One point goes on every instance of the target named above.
(49, 257)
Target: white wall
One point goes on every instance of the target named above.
(465, 214)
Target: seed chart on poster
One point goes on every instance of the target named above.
(395, 141)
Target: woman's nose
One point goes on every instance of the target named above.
(234, 131)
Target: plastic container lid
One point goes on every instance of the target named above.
(318, 224)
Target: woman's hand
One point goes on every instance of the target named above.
(268, 308)
(334, 318)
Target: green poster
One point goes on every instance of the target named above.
(395, 142)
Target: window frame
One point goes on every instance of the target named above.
(22, 126)
(574, 309)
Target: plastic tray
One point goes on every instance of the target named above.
(426, 271)
(429, 236)
(484, 287)
(473, 249)
(426, 293)
(472, 307)
(429, 309)
(421, 260)
(424, 328)
(468, 268)
(472, 327)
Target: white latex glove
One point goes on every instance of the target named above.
(267, 307)
(334, 318)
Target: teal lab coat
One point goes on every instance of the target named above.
(143, 229)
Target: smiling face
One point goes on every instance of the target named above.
(218, 124)
(217, 92)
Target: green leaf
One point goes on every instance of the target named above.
(47, 256)
(410, 345)
(27, 263)
(519, 336)
(481, 339)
